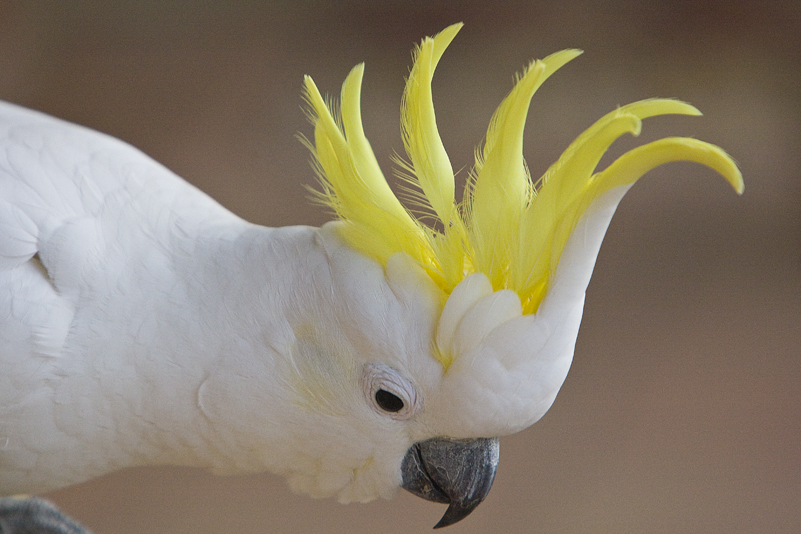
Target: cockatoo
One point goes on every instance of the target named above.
(142, 323)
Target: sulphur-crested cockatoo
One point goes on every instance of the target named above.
(142, 323)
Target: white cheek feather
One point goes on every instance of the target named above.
(483, 317)
(464, 296)
(510, 367)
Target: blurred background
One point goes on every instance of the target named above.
(682, 412)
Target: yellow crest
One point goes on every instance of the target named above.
(509, 227)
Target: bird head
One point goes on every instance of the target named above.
(472, 319)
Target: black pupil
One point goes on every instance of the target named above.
(388, 401)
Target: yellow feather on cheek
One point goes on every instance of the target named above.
(509, 228)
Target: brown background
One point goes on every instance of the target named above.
(681, 413)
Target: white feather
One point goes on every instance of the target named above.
(463, 297)
(142, 323)
(511, 377)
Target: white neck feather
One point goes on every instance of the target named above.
(148, 363)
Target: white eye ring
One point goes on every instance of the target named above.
(389, 393)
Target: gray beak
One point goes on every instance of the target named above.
(457, 472)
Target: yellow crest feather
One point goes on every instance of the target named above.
(429, 161)
(508, 227)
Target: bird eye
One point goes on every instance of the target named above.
(388, 392)
(388, 402)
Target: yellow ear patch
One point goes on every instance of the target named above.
(508, 227)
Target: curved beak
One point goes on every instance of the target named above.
(457, 472)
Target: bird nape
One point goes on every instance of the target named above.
(143, 323)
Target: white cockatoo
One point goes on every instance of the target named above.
(142, 323)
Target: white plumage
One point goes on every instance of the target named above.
(143, 323)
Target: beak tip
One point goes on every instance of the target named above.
(455, 513)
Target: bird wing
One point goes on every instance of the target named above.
(54, 173)
(77, 208)
(64, 191)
